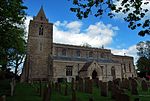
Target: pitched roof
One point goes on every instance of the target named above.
(86, 66)
(41, 15)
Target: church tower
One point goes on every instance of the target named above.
(38, 63)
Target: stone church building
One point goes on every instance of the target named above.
(46, 60)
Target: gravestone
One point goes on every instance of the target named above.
(104, 89)
(124, 97)
(100, 84)
(76, 85)
(144, 85)
(40, 90)
(66, 89)
(134, 85)
(86, 85)
(72, 84)
(125, 84)
(59, 88)
(3, 98)
(115, 91)
(74, 95)
(96, 82)
(117, 81)
(12, 84)
(81, 85)
(90, 86)
(47, 93)
(56, 86)
(110, 83)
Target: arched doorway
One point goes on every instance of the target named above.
(94, 74)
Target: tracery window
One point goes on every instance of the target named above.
(69, 70)
(41, 30)
(78, 53)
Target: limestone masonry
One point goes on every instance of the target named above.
(46, 60)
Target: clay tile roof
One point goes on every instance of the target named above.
(86, 66)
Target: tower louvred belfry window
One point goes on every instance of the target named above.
(41, 17)
(41, 30)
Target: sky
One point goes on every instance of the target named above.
(113, 33)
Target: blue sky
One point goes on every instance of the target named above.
(68, 29)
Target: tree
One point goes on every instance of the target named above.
(132, 8)
(86, 45)
(143, 48)
(12, 16)
(16, 58)
(143, 63)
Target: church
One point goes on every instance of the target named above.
(46, 60)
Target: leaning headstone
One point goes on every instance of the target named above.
(117, 81)
(134, 85)
(104, 89)
(144, 85)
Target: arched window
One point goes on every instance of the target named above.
(125, 67)
(129, 67)
(78, 53)
(41, 30)
(64, 52)
(90, 54)
(69, 70)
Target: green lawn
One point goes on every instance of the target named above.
(26, 92)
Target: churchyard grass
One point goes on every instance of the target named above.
(26, 92)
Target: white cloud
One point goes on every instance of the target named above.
(131, 51)
(96, 35)
(28, 18)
